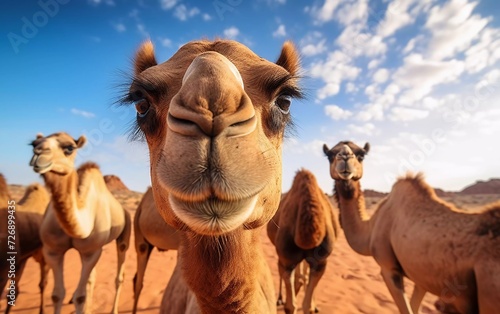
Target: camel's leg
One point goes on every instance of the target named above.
(122, 243)
(143, 250)
(44, 271)
(83, 293)
(315, 274)
(488, 287)
(416, 298)
(55, 260)
(280, 295)
(394, 282)
(288, 277)
(19, 273)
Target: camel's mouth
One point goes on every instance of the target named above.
(40, 168)
(213, 216)
(346, 175)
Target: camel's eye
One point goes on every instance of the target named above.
(142, 108)
(68, 150)
(361, 157)
(283, 102)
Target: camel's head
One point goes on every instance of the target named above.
(346, 160)
(55, 153)
(214, 116)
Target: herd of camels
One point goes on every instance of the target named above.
(214, 117)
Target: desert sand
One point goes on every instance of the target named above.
(351, 284)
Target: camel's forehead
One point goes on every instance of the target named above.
(246, 63)
(355, 148)
(55, 139)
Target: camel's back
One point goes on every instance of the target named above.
(154, 229)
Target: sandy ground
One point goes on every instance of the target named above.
(351, 284)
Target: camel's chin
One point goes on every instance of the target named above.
(213, 217)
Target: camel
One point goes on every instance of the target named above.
(82, 214)
(4, 192)
(214, 117)
(29, 213)
(150, 230)
(303, 229)
(444, 250)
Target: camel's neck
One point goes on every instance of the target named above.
(353, 216)
(74, 219)
(228, 274)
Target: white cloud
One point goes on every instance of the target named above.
(280, 31)
(453, 28)
(365, 129)
(401, 13)
(350, 87)
(165, 42)
(85, 114)
(167, 4)
(324, 13)
(206, 17)
(337, 68)
(351, 12)
(119, 27)
(142, 30)
(312, 49)
(407, 114)
(357, 43)
(485, 52)
(381, 75)
(373, 111)
(231, 32)
(420, 76)
(183, 13)
(313, 44)
(374, 63)
(337, 113)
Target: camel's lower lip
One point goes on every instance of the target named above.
(213, 216)
(39, 168)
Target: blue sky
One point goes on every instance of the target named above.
(418, 79)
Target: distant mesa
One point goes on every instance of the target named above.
(115, 184)
(492, 186)
(373, 193)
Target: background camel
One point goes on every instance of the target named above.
(413, 233)
(214, 117)
(83, 215)
(303, 229)
(29, 213)
(150, 230)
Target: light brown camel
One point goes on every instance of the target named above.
(303, 229)
(4, 192)
(83, 214)
(29, 213)
(150, 230)
(214, 117)
(446, 251)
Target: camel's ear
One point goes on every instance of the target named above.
(145, 57)
(325, 149)
(81, 141)
(289, 58)
(39, 135)
(367, 147)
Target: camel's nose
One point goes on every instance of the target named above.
(40, 149)
(212, 100)
(345, 153)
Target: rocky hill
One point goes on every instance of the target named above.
(115, 184)
(492, 186)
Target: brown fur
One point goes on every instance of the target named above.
(244, 129)
(29, 212)
(303, 228)
(415, 234)
(4, 191)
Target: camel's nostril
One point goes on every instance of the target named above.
(187, 127)
(242, 128)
